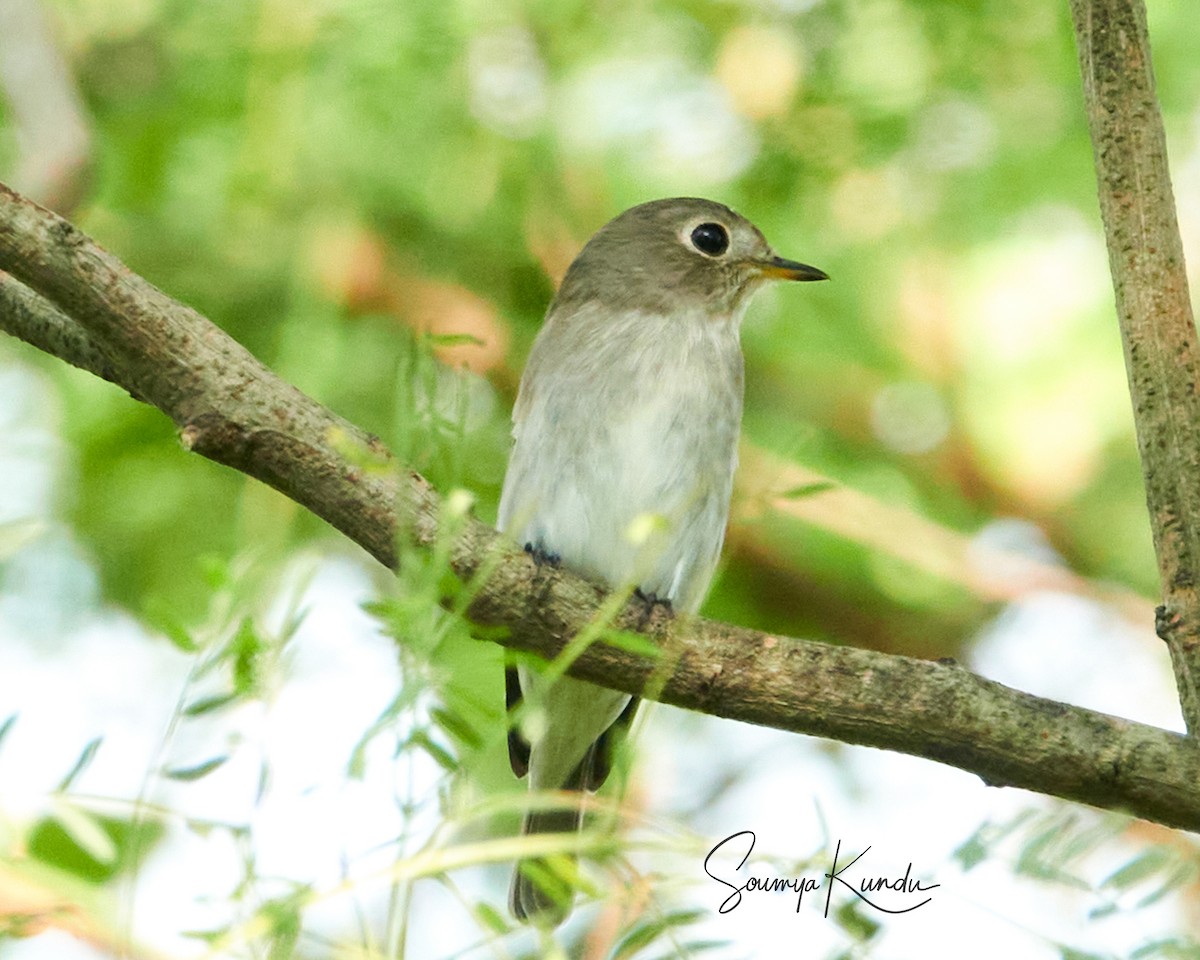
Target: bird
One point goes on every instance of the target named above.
(625, 434)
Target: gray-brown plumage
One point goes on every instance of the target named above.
(625, 442)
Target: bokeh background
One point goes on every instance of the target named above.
(224, 732)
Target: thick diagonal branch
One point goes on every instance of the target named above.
(1162, 356)
(233, 410)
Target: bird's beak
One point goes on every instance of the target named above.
(776, 268)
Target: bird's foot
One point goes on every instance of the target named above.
(649, 602)
(544, 563)
(542, 556)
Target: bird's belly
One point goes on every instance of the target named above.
(643, 501)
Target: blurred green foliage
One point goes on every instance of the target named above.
(322, 179)
(346, 186)
(52, 843)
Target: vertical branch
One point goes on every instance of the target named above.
(1149, 278)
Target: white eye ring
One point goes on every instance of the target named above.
(709, 238)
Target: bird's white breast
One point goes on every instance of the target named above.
(625, 445)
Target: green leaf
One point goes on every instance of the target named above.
(215, 571)
(971, 852)
(631, 642)
(978, 847)
(283, 920)
(6, 726)
(247, 648)
(200, 770)
(294, 622)
(81, 764)
(1171, 949)
(808, 490)
(645, 934)
(457, 726)
(209, 704)
(1045, 855)
(553, 876)
(692, 948)
(1138, 869)
(356, 767)
(492, 919)
(453, 339)
(490, 634)
(211, 937)
(1070, 953)
(53, 842)
(86, 832)
(64, 843)
(1181, 873)
(856, 923)
(179, 636)
(422, 741)
(1102, 911)
(380, 609)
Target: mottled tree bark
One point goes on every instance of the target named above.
(1145, 255)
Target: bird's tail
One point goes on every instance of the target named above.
(540, 893)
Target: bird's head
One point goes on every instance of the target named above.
(679, 255)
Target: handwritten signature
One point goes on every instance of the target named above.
(861, 886)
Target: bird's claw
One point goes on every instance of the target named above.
(542, 556)
(649, 602)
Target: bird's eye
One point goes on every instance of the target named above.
(711, 238)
